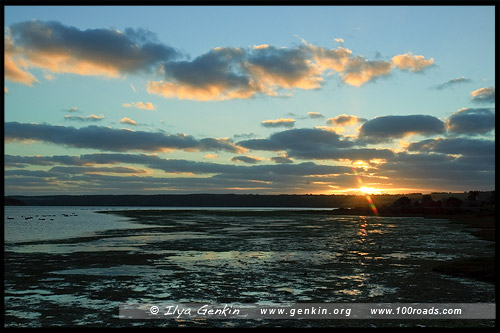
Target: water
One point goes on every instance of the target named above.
(77, 269)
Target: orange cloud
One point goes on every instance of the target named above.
(128, 121)
(140, 105)
(334, 59)
(269, 81)
(12, 70)
(282, 122)
(415, 63)
(359, 71)
(102, 52)
(215, 91)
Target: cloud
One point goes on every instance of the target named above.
(345, 120)
(274, 67)
(223, 73)
(472, 121)
(23, 161)
(13, 64)
(237, 73)
(484, 95)
(252, 172)
(72, 109)
(339, 40)
(139, 105)
(360, 71)
(97, 170)
(246, 159)
(42, 182)
(334, 59)
(386, 128)
(281, 159)
(244, 136)
(282, 122)
(107, 52)
(333, 153)
(128, 121)
(455, 146)
(91, 118)
(315, 115)
(314, 144)
(215, 75)
(217, 177)
(449, 173)
(356, 70)
(105, 138)
(452, 83)
(414, 63)
(300, 139)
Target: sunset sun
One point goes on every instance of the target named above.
(368, 190)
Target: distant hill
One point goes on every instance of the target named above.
(223, 200)
(9, 201)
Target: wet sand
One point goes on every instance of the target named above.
(100, 283)
(480, 223)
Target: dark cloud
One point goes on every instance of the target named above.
(284, 67)
(472, 121)
(228, 73)
(430, 171)
(344, 120)
(104, 138)
(332, 153)
(173, 165)
(455, 146)
(447, 163)
(246, 159)
(244, 136)
(484, 95)
(218, 67)
(315, 115)
(281, 159)
(87, 175)
(297, 139)
(62, 48)
(89, 170)
(89, 118)
(426, 169)
(23, 161)
(386, 128)
(452, 83)
(314, 144)
(45, 183)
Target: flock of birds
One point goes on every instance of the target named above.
(43, 217)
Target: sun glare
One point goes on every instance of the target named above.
(367, 190)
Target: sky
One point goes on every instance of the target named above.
(249, 99)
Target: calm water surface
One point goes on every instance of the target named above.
(71, 266)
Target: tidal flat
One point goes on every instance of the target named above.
(241, 256)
